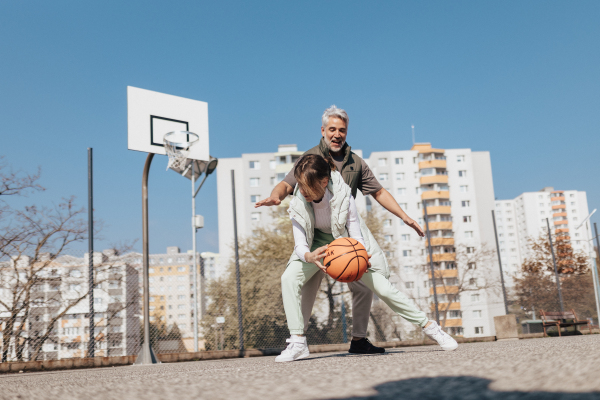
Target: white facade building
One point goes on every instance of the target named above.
(457, 186)
(525, 216)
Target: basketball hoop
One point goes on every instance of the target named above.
(177, 146)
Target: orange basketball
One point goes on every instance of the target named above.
(346, 260)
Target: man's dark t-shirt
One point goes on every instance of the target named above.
(367, 185)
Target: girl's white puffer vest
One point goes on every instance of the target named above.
(302, 212)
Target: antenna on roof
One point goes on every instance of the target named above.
(413, 133)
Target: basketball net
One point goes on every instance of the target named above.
(177, 146)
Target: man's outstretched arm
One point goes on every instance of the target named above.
(388, 202)
(280, 192)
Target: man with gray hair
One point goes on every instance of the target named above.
(358, 176)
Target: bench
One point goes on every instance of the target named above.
(561, 320)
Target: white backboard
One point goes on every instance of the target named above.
(150, 115)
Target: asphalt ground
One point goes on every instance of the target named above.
(549, 368)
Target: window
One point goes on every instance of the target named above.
(254, 182)
(387, 222)
(280, 176)
(418, 190)
(462, 174)
(181, 269)
(181, 316)
(465, 203)
(272, 164)
(541, 204)
(254, 164)
(388, 238)
(399, 161)
(573, 211)
(97, 301)
(476, 313)
(409, 285)
(401, 191)
(180, 287)
(416, 175)
(405, 238)
(479, 330)
(414, 160)
(383, 177)
(75, 287)
(467, 218)
(472, 265)
(254, 198)
(474, 297)
(460, 158)
(464, 188)
(382, 162)
(400, 176)
(75, 273)
(472, 281)
(181, 297)
(468, 234)
(470, 250)
(403, 206)
(255, 216)
(454, 314)
(406, 253)
(181, 306)
(181, 278)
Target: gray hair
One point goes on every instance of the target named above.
(334, 112)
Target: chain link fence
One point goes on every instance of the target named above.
(45, 309)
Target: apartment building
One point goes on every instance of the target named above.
(172, 297)
(59, 306)
(525, 217)
(457, 187)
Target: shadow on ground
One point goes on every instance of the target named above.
(460, 388)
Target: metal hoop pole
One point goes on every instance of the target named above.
(146, 354)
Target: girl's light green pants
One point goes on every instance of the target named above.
(298, 273)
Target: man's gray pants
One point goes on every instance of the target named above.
(362, 297)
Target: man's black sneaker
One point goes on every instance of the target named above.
(364, 346)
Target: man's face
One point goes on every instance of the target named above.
(335, 134)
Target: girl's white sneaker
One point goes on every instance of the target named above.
(297, 349)
(436, 333)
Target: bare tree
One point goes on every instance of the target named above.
(535, 284)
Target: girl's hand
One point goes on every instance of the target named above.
(316, 256)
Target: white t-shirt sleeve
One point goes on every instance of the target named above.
(353, 224)
(300, 242)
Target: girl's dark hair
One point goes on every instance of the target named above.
(310, 171)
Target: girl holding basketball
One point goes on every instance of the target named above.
(322, 210)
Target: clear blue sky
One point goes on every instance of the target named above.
(519, 79)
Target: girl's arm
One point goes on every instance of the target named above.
(353, 224)
(302, 250)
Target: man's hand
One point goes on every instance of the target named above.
(316, 256)
(413, 224)
(269, 201)
(280, 192)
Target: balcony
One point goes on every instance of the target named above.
(559, 214)
(443, 257)
(437, 210)
(444, 306)
(444, 273)
(444, 225)
(452, 322)
(442, 241)
(561, 230)
(432, 164)
(444, 290)
(563, 222)
(430, 180)
(433, 194)
(559, 198)
(555, 207)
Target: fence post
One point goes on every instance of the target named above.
(237, 265)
